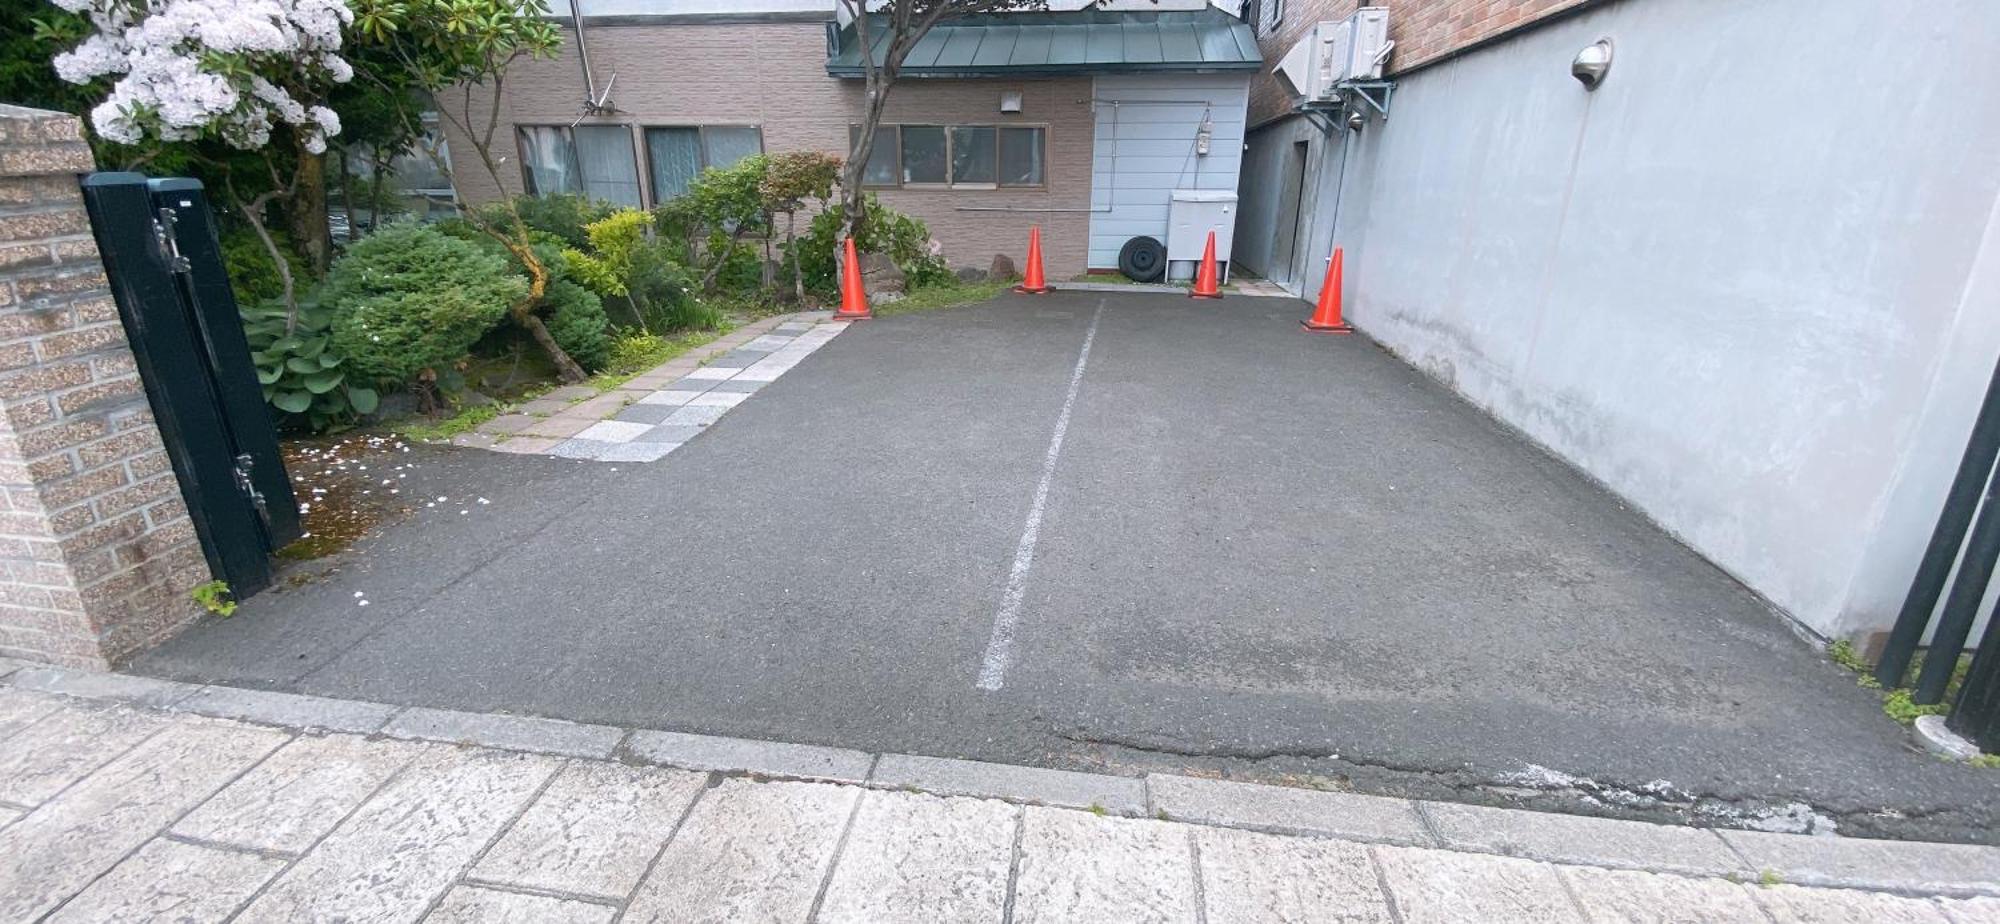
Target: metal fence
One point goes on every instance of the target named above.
(1966, 563)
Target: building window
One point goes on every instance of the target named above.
(590, 160)
(972, 154)
(1277, 16)
(1021, 156)
(926, 154)
(959, 156)
(675, 155)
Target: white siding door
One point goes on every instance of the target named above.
(1146, 126)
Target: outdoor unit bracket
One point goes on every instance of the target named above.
(1348, 97)
(1366, 90)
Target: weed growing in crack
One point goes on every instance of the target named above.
(214, 596)
(1897, 704)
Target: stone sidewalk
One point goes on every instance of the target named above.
(653, 413)
(130, 799)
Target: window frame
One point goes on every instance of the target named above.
(896, 150)
(701, 147)
(521, 154)
(576, 159)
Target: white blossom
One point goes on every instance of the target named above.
(158, 49)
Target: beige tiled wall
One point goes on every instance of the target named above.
(774, 75)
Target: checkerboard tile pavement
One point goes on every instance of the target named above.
(659, 411)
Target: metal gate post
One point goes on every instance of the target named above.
(1974, 469)
(1976, 714)
(219, 326)
(146, 270)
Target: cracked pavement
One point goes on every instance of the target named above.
(1263, 555)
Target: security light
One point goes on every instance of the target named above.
(1592, 63)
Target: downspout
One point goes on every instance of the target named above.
(583, 56)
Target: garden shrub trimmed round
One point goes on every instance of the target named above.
(577, 320)
(407, 299)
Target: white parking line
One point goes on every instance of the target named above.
(1000, 647)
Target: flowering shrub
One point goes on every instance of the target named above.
(231, 69)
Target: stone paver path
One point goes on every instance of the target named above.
(655, 412)
(117, 811)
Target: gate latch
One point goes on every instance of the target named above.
(170, 246)
(245, 465)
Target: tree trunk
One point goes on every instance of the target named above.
(524, 314)
(565, 366)
(252, 212)
(515, 238)
(347, 195)
(305, 212)
(767, 275)
(792, 247)
(377, 184)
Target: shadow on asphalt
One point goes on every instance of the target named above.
(1262, 554)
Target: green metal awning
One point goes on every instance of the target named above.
(1079, 42)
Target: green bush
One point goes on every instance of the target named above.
(304, 378)
(645, 273)
(882, 230)
(575, 317)
(716, 227)
(252, 275)
(564, 216)
(631, 352)
(409, 300)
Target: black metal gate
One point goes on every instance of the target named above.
(1976, 711)
(160, 249)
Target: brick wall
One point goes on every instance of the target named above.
(1423, 30)
(96, 550)
(774, 75)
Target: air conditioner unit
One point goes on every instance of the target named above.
(1333, 53)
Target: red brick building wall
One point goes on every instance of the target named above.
(1423, 30)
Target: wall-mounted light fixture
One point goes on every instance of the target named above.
(1010, 101)
(1592, 63)
(1356, 119)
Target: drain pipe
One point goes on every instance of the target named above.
(583, 55)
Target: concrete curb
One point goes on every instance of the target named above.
(1914, 868)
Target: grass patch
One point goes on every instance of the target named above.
(467, 419)
(637, 354)
(1120, 279)
(1114, 279)
(631, 356)
(1842, 652)
(1898, 704)
(931, 298)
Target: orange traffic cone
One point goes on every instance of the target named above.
(853, 298)
(1326, 316)
(1205, 278)
(1033, 283)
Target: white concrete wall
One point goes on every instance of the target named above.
(1145, 150)
(1752, 283)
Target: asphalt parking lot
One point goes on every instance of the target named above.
(1207, 541)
